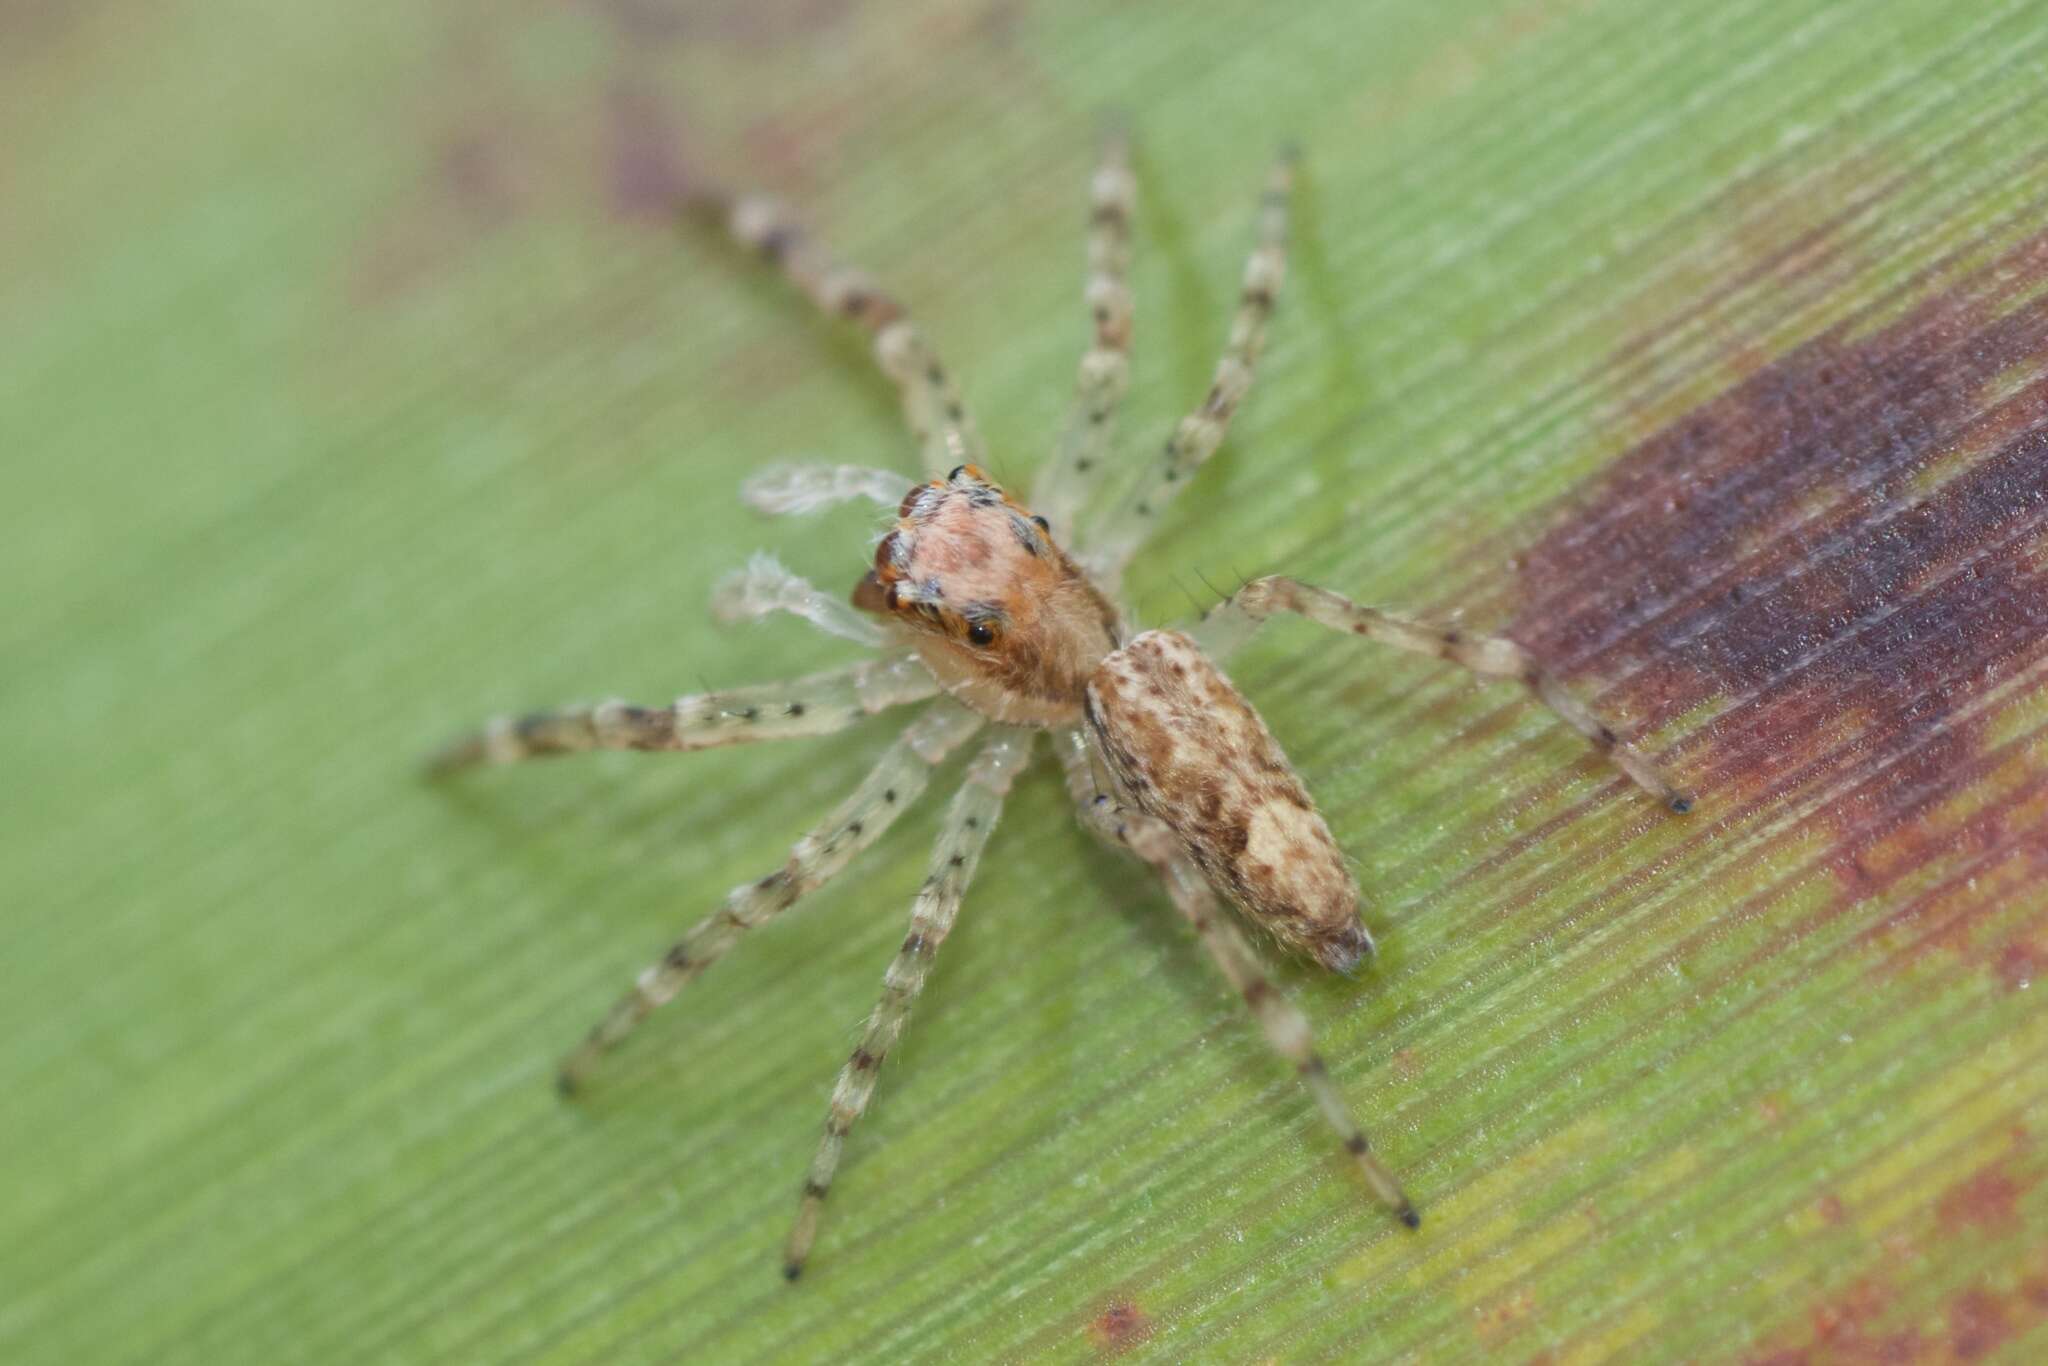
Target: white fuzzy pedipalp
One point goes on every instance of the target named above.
(767, 586)
(797, 489)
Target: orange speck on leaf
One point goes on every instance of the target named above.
(1119, 1327)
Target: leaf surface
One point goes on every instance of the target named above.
(354, 387)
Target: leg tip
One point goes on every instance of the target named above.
(567, 1084)
(1681, 802)
(792, 1270)
(1410, 1217)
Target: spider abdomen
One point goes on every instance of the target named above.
(1187, 748)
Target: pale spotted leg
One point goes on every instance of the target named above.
(1285, 1027)
(968, 823)
(1070, 483)
(891, 786)
(1128, 523)
(1233, 620)
(932, 406)
(818, 704)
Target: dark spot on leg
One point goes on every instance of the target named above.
(814, 1190)
(792, 1270)
(793, 709)
(863, 1061)
(1356, 1144)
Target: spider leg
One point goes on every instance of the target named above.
(1196, 438)
(968, 822)
(932, 407)
(1070, 482)
(1232, 621)
(1285, 1027)
(892, 785)
(817, 704)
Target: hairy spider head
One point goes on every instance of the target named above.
(1008, 623)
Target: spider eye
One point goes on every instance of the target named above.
(981, 633)
(1043, 525)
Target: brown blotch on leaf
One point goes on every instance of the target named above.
(1978, 1324)
(1988, 1199)
(1838, 558)
(710, 23)
(649, 178)
(1854, 1324)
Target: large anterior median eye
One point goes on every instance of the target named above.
(981, 633)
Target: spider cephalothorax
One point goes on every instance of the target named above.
(987, 620)
(1005, 620)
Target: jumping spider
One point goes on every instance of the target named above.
(972, 602)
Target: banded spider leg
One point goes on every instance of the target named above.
(1286, 1029)
(1493, 657)
(932, 407)
(969, 821)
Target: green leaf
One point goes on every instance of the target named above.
(354, 388)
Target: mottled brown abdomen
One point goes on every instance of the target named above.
(1190, 750)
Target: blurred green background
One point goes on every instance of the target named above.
(353, 386)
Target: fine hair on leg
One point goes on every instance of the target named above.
(896, 780)
(1071, 482)
(1494, 657)
(969, 821)
(1286, 1029)
(817, 704)
(932, 407)
(1130, 521)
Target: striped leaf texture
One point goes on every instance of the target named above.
(356, 383)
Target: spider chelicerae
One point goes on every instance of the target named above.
(976, 610)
